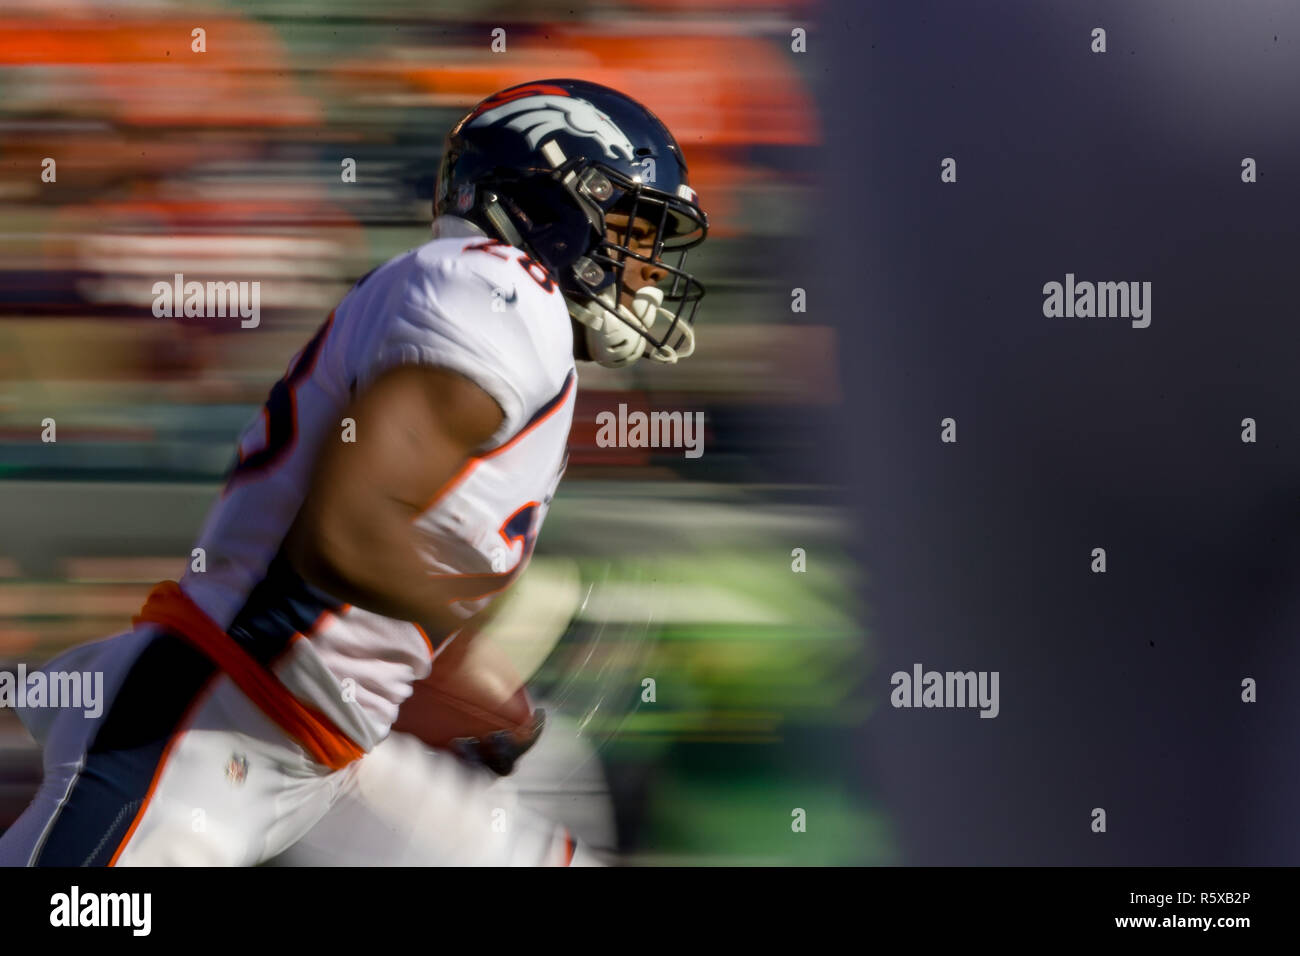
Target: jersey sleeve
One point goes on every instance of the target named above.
(461, 316)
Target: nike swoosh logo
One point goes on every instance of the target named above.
(497, 290)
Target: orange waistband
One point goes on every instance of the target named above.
(168, 606)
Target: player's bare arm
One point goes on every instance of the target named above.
(415, 427)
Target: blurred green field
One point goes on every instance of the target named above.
(759, 671)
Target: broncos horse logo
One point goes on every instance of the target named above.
(538, 115)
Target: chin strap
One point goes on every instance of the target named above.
(617, 334)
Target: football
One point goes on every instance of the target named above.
(473, 693)
(477, 686)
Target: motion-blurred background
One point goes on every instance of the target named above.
(226, 165)
(820, 172)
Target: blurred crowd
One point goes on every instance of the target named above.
(227, 164)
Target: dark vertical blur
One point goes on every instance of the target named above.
(1120, 691)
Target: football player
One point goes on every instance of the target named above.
(391, 487)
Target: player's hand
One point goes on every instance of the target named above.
(501, 750)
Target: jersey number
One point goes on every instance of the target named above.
(530, 265)
(281, 412)
(521, 527)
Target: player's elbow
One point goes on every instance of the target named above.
(330, 552)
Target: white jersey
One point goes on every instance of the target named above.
(469, 304)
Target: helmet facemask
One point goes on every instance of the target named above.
(658, 320)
